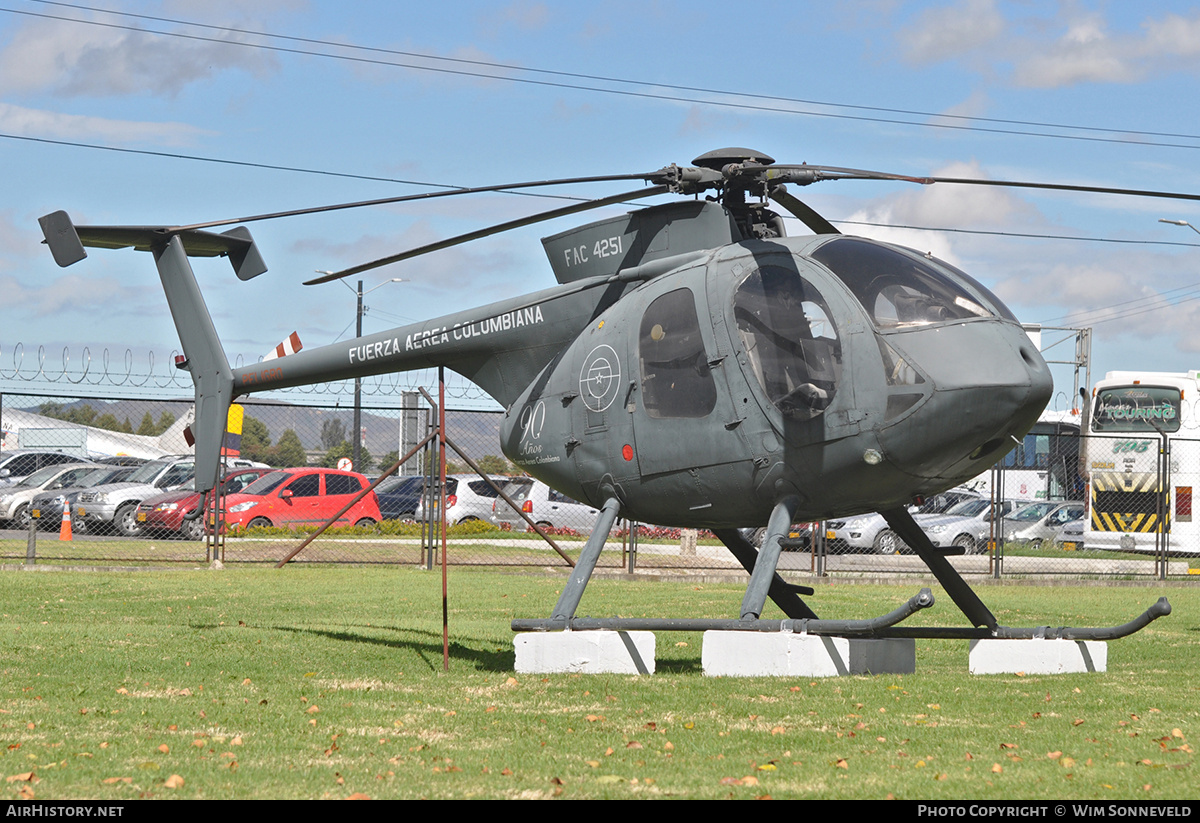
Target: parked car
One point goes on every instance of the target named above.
(16, 502)
(1070, 536)
(399, 497)
(17, 464)
(799, 537)
(468, 497)
(114, 505)
(966, 525)
(165, 513)
(1040, 522)
(544, 506)
(870, 532)
(48, 506)
(296, 497)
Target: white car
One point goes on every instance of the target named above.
(544, 506)
(16, 501)
(468, 497)
(870, 532)
(1040, 522)
(966, 525)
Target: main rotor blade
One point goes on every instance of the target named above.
(496, 229)
(410, 197)
(804, 174)
(1172, 195)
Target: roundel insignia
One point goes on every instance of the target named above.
(600, 378)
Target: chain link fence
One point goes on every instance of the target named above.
(1105, 507)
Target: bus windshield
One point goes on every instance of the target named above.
(1137, 409)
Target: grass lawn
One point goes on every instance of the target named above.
(328, 682)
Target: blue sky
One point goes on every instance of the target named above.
(473, 93)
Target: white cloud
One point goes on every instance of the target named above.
(81, 59)
(946, 205)
(92, 296)
(55, 125)
(951, 31)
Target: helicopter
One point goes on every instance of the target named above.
(693, 367)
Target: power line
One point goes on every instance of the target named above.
(375, 178)
(620, 92)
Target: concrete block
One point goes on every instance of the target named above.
(786, 654)
(589, 652)
(1035, 656)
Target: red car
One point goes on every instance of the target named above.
(164, 513)
(294, 497)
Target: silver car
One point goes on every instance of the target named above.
(1039, 523)
(544, 506)
(870, 532)
(16, 502)
(966, 526)
(468, 497)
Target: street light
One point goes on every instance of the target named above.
(356, 434)
(1179, 223)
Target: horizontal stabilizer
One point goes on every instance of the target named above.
(67, 242)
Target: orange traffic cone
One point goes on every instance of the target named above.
(64, 533)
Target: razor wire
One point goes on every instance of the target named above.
(22, 370)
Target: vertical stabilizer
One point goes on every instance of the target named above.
(205, 358)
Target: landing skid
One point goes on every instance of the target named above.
(765, 582)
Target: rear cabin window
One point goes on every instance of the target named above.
(676, 379)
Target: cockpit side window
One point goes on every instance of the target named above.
(791, 343)
(676, 379)
(898, 290)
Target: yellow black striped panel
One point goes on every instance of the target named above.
(1124, 522)
(1125, 481)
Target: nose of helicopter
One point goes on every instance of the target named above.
(990, 384)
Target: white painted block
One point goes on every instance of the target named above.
(1035, 656)
(786, 654)
(588, 652)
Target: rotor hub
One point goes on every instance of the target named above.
(718, 159)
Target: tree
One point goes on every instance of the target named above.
(492, 464)
(333, 433)
(289, 451)
(344, 449)
(256, 440)
(147, 426)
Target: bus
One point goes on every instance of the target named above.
(1140, 460)
(1044, 465)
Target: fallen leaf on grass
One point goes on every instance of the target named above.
(111, 780)
(23, 777)
(842, 764)
(997, 768)
(174, 782)
(164, 748)
(358, 796)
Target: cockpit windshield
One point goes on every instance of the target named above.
(900, 290)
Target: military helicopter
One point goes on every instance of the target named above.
(694, 366)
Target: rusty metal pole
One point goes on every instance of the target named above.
(442, 472)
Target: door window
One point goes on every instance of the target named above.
(791, 344)
(676, 379)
